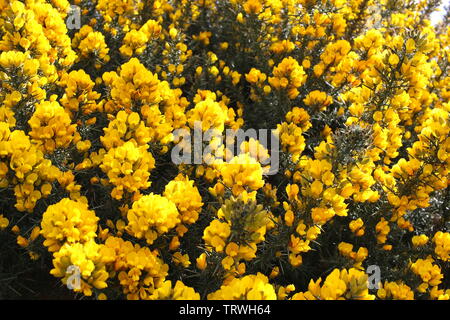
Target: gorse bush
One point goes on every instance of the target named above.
(357, 92)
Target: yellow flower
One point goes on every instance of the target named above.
(136, 41)
(442, 245)
(182, 259)
(292, 139)
(382, 228)
(241, 173)
(216, 234)
(128, 168)
(83, 260)
(316, 188)
(318, 100)
(429, 273)
(35, 233)
(255, 76)
(186, 197)
(201, 261)
(102, 297)
(395, 291)
(179, 292)
(209, 114)
(300, 117)
(357, 227)
(51, 127)
(173, 33)
(289, 218)
(313, 232)
(23, 242)
(420, 240)
(251, 287)
(232, 249)
(295, 260)
(339, 285)
(252, 6)
(90, 42)
(284, 46)
(4, 222)
(151, 216)
(69, 222)
(393, 59)
(321, 216)
(288, 75)
(126, 127)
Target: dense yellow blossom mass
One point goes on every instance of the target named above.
(91, 107)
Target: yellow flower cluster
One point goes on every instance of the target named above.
(139, 270)
(289, 76)
(318, 183)
(51, 127)
(151, 216)
(137, 89)
(125, 127)
(429, 273)
(442, 243)
(346, 249)
(128, 168)
(339, 285)
(135, 41)
(178, 292)
(395, 291)
(70, 230)
(91, 44)
(85, 259)
(420, 240)
(318, 100)
(21, 65)
(251, 287)
(357, 227)
(182, 192)
(28, 32)
(69, 222)
(242, 173)
(79, 95)
(240, 226)
(357, 92)
(134, 83)
(209, 114)
(32, 173)
(292, 140)
(300, 117)
(258, 79)
(216, 234)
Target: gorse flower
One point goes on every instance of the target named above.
(85, 260)
(151, 216)
(356, 93)
(68, 221)
(251, 287)
(243, 172)
(339, 285)
(51, 127)
(288, 75)
(186, 197)
(178, 292)
(128, 168)
(395, 291)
